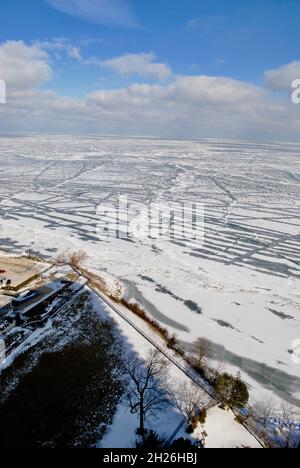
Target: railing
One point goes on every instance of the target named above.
(187, 371)
(172, 437)
(248, 428)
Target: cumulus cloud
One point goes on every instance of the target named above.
(144, 65)
(215, 91)
(23, 66)
(281, 79)
(185, 106)
(188, 107)
(105, 12)
(200, 92)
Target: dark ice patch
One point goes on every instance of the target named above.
(281, 315)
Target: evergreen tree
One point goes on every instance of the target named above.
(182, 445)
(150, 441)
(232, 391)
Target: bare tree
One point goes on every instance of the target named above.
(263, 410)
(218, 370)
(61, 259)
(202, 347)
(145, 393)
(287, 413)
(74, 259)
(188, 398)
(78, 259)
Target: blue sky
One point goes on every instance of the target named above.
(229, 37)
(233, 39)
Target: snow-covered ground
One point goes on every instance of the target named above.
(240, 289)
(222, 429)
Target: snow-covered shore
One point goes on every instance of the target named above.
(240, 290)
(221, 426)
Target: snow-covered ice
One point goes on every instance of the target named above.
(240, 289)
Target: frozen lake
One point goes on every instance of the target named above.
(240, 289)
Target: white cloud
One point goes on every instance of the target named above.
(74, 53)
(59, 46)
(106, 12)
(281, 79)
(144, 65)
(186, 106)
(215, 91)
(189, 107)
(23, 66)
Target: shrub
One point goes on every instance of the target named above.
(150, 441)
(182, 445)
(203, 416)
(190, 429)
(195, 422)
(171, 342)
(239, 420)
(139, 312)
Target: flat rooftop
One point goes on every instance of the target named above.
(20, 270)
(41, 294)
